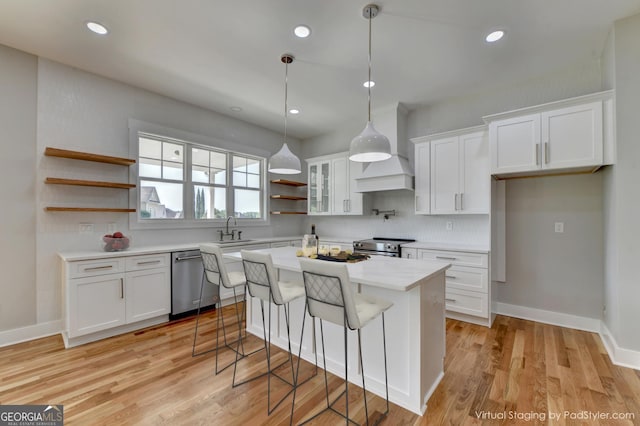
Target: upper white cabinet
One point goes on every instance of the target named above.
(452, 173)
(332, 185)
(569, 135)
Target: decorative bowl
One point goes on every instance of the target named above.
(115, 244)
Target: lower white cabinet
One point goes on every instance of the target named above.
(105, 297)
(467, 282)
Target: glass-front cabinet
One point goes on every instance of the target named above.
(319, 187)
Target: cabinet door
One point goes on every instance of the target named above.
(319, 187)
(148, 294)
(95, 303)
(572, 136)
(475, 195)
(355, 203)
(515, 144)
(340, 186)
(444, 176)
(423, 178)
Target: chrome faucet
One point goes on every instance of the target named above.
(226, 230)
(235, 223)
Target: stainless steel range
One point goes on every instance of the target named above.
(380, 246)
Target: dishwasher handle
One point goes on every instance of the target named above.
(179, 259)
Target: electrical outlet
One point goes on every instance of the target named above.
(86, 228)
(449, 225)
(559, 227)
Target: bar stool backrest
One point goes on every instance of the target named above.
(329, 292)
(214, 267)
(261, 276)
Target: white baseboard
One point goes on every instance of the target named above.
(619, 356)
(548, 317)
(31, 332)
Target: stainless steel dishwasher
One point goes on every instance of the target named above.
(186, 278)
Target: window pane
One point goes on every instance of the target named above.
(160, 200)
(219, 177)
(239, 179)
(200, 174)
(253, 166)
(200, 157)
(247, 203)
(149, 168)
(172, 152)
(172, 171)
(219, 160)
(209, 202)
(253, 181)
(150, 148)
(239, 164)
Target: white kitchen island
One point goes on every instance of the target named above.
(415, 326)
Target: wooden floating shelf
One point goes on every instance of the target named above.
(87, 209)
(288, 197)
(77, 155)
(288, 212)
(288, 182)
(77, 182)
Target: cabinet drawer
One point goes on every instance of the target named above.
(138, 263)
(92, 268)
(456, 258)
(467, 278)
(467, 302)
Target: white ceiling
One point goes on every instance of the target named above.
(218, 54)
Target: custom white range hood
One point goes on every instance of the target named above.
(395, 172)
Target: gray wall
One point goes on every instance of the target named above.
(622, 289)
(17, 191)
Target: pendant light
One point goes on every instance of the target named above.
(284, 161)
(370, 145)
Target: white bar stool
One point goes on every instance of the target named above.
(263, 283)
(215, 273)
(330, 297)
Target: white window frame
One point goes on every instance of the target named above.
(136, 128)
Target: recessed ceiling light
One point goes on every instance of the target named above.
(369, 83)
(235, 108)
(494, 36)
(302, 31)
(294, 111)
(97, 28)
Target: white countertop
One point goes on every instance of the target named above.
(391, 273)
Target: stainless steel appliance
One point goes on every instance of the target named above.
(186, 279)
(380, 246)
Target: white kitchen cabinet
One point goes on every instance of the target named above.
(459, 173)
(467, 283)
(109, 296)
(332, 184)
(422, 178)
(570, 135)
(409, 253)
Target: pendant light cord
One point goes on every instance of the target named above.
(369, 81)
(286, 78)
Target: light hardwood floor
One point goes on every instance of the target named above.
(516, 369)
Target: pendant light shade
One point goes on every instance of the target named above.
(285, 162)
(369, 145)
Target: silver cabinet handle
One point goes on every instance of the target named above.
(450, 276)
(446, 258)
(449, 300)
(150, 262)
(546, 153)
(537, 153)
(455, 201)
(461, 201)
(408, 255)
(179, 259)
(97, 268)
(121, 288)
(349, 205)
